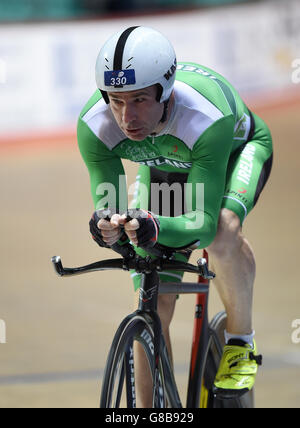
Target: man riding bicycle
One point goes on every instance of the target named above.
(186, 126)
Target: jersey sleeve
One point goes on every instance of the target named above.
(204, 191)
(107, 176)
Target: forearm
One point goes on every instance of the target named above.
(204, 190)
(184, 230)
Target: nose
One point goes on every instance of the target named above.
(129, 113)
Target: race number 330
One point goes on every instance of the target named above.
(119, 78)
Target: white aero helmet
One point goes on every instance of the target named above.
(134, 59)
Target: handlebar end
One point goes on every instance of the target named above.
(56, 260)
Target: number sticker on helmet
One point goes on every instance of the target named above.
(119, 78)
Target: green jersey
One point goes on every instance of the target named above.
(208, 123)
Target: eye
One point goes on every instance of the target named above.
(116, 101)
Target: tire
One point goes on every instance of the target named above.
(118, 386)
(217, 327)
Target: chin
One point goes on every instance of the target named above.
(137, 137)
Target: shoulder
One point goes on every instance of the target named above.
(195, 114)
(203, 97)
(97, 115)
(210, 84)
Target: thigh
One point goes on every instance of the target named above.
(248, 171)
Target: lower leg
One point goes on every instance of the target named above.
(234, 264)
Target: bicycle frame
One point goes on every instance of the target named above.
(201, 335)
(199, 344)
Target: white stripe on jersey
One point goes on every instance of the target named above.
(192, 115)
(101, 122)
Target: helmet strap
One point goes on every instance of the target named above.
(105, 96)
(165, 112)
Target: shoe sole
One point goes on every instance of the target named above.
(229, 394)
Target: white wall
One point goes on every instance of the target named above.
(47, 70)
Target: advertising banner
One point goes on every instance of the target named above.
(47, 70)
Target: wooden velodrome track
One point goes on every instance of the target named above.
(58, 330)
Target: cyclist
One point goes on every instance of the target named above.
(185, 125)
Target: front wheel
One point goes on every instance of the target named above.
(118, 386)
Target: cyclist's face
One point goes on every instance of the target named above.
(137, 112)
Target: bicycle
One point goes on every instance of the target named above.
(144, 326)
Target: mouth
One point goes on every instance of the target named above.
(134, 131)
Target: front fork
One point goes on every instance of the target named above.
(148, 299)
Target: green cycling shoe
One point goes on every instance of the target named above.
(237, 370)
